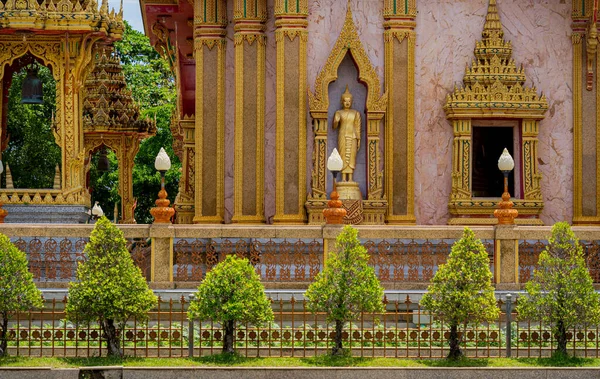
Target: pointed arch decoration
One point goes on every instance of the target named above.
(375, 203)
(125, 147)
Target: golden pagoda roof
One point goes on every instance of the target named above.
(494, 82)
(61, 15)
(108, 105)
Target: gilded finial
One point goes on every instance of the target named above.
(492, 21)
(349, 10)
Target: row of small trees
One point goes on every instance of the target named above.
(560, 294)
(111, 290)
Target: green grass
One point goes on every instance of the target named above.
(320, 361)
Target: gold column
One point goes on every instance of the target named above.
(290, 183)
(461, 160)
(126, 159)
(250, 17)
(399, 37)
(210, 21)
(531, 176)
(184, 144)
(586, 114)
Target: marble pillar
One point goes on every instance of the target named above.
(250, 45)
(210, 22)
(586, 121)
(290, 162)
(399, 37)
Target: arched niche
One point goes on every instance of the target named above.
(28, 135)
(374, 203)
(125, 148)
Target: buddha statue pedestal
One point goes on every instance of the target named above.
(348, 191)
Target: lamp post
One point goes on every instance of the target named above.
(3, 212)
(506, 215)
(334, 214)
(162, 213)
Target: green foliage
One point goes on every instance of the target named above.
(347, 285)
(32, 153)
(561, 292)
(152, 85)
(461, 292)
(232, 291)
(17, 290)
(109, 289)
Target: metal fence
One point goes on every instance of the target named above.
(275, 260)
(411, 260)
(403, 330)
(529, 254)
(55, 259)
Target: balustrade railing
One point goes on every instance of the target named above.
(292, 255)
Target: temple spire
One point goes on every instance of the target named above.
(493, 26)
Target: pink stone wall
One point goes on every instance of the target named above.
(446, 34)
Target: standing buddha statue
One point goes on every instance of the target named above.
(348, 121)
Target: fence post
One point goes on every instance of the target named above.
(506, 258)
(330, 233)
(190, 329)
(508, 325)
(161, 270)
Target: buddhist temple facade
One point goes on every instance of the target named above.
(441, 89)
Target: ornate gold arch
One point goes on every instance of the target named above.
(50, 54)
(348, 42)
(125, 146)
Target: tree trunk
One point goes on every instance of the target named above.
(4, 334)
(112, 340)
(561, 347)
(228, 334)
(337, 344)
(455, 352)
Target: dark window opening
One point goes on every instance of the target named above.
(488, 144)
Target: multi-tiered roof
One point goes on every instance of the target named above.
(494, 85)
(108, 105)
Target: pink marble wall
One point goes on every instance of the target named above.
(446, 35)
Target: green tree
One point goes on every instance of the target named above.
(32, 152)
(561, 292)
(461, 292)
(109, 288)
(347, 286)
(152, 84)
(231, 293)
(17, 291)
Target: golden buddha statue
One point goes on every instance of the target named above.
(348, 120)
(349, 124)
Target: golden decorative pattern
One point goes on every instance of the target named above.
(494, 88)
(210, 21)
(291, 22)
(61, 15)
(399, 27)
(250, 17)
